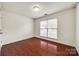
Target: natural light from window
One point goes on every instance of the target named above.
(48, 28)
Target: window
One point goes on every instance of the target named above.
(48, 28)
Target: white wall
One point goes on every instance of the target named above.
(0, 20)
(77, 27)
(66, 26)
(15, 27)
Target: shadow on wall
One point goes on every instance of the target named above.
(15, 27)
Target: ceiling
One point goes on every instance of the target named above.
(25, 8)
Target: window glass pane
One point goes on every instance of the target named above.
(52, 33)
(43, 24)
(48, 28)
(52, 23)
(43, 32)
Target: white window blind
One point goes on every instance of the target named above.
(48, 28)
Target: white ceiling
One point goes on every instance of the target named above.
(25, 8)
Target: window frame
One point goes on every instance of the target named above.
(49, 28)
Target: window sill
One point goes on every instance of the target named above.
(49, 37)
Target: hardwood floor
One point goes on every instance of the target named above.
(37, 47)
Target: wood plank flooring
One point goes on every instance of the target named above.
(37, 47)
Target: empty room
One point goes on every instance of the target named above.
(39, 29)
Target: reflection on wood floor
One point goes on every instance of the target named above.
(37, 47)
